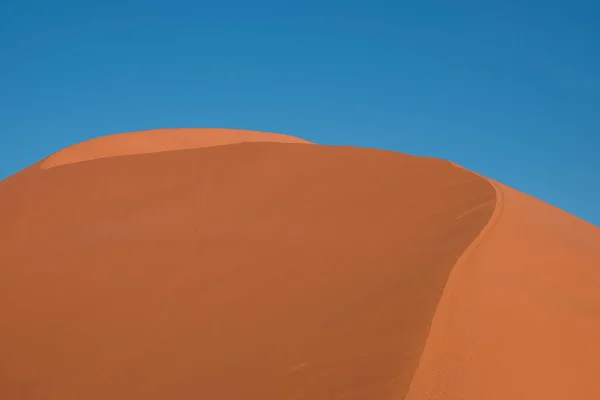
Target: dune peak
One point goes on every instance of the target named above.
(159, 140)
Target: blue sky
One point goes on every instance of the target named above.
(509, 89)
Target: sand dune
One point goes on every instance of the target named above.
(194, 264)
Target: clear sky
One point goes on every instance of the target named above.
(507, 88)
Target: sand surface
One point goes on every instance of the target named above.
(194, 264)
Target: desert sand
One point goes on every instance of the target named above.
(226, 264)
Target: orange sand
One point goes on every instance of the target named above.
(189, 264)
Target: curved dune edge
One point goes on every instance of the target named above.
(159, 140)
(519, 317)
(421, 387)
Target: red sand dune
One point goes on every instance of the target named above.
(191, 264)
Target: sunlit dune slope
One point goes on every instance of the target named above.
(520, 315)
(242, 271)
(153, 141)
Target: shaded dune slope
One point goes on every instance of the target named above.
(254, 271)
(520, 315)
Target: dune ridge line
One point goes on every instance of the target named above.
(447, 292)
(159, 141)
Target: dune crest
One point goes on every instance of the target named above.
(159, 140)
